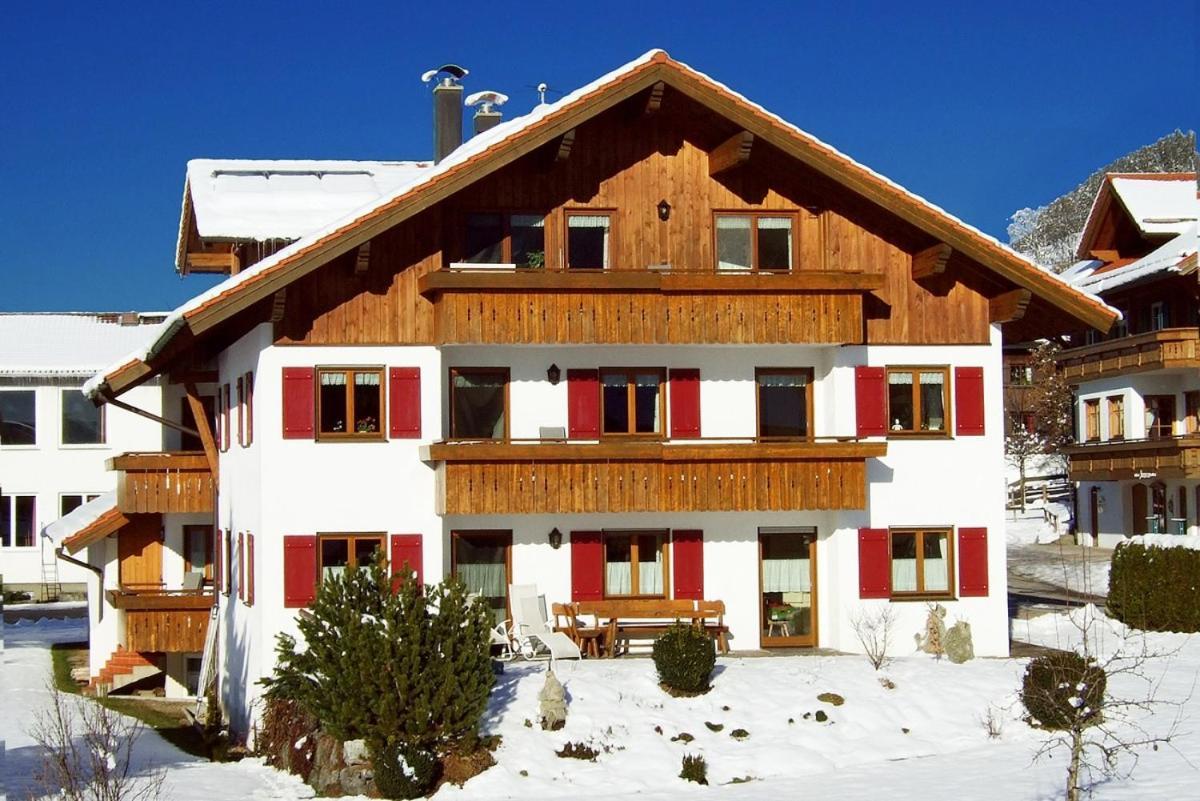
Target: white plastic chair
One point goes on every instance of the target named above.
(531, 631)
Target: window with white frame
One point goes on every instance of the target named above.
(82, 420)
(18, 417)
(69, 502)
(18, 521)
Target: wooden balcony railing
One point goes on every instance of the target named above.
(537, 477)
(1155, 350)
(163, 482)
(1143, 459)
(523, 306)
(164, 620)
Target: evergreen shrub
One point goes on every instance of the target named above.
(1064, 691)
(1155, 589)
(684, 657)
(694, 769)
(403, 771)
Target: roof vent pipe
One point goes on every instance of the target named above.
(447, 108)
(487, 115)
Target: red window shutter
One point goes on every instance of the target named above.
(298, 400)
(685, 403)
(583, 404)
(241, 574)
(406, 549)
(587, 566)
(687, 555)
(404, 403)
(874, 563)
(972, 562)
(250, 408)
(226, 426)
(870, 401)
(250, 570)
(968, 401)
(299, 570)
(218, 562)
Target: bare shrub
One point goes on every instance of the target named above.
(873, 627)
(993, 723)
(88, 753)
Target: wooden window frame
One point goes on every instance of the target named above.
(193, 530)
(921, 594)
(350, 371)
(501, 536)
(793, 215)
(634, 578)
(1116, 415)
(631, 402)
(249, 377)
(1091, 420)
(808, 373)
(1169, 426)
(506, 254)
(351, 538)
(507, 373)
(915, 370)
(611, 214)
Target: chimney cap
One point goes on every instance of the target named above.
(454, 74)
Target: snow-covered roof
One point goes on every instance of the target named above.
(480, 144)
(79, 519)
(263, 199)
(67, 344)
(1158, 206)
(1166, 258)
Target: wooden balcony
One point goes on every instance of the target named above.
(539, 477)
(163, 482)
(1141, 459)
(1155, 350)
(646, 307)
(164, 620)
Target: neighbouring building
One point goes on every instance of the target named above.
(1137, 461)
(53, 440)
(649, 340)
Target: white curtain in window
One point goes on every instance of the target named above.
(333, 379)
(936, 577)
(528, 221)
(366, 379)
(619, 578)
(645, 381)
(333, 571)
(786, 575)
(483, 579)
(783, 380)
(592, 221)
(733, 243)
(900, 379)
(650, 575)
(904, 575)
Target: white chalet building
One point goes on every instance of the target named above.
(649, 341)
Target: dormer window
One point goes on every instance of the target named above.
(518, 239)
(589, 240)
(747, 242)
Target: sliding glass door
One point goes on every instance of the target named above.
(787, 559)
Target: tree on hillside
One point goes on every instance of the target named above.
(1051, 399)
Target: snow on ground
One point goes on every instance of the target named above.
(616, 705)
(1036, 551)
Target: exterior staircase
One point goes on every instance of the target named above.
(122, 668)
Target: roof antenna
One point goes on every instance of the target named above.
(541, 90)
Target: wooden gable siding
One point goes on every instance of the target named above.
(626, 162)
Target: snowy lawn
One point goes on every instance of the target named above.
(861, 752)
(1036, 551)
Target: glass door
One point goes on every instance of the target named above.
(483, 561)
(787, 561)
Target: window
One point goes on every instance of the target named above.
(338, 552)
(1020, 374)
(784, 402)
(635, 563)
(1191, 403)
(518, 239)
(917, 400)
(69, 503)
(82, 421)
(198, 551)
(241, 412)
(1116, 417)
(1160, 416)
(18, 420)
(1160, 316)
(483, 560)
(631, 401)
(921, 562)
(754, 242)
(349, 401)
(1091, 419)
(249, 408)
(478, 403)
(589, 240)
(17, 520)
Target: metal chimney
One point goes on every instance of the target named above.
(487, 115)
(447, 108)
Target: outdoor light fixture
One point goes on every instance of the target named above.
(664, 210)
(555, 538)
(553, 374)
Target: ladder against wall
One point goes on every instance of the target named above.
(51, 587)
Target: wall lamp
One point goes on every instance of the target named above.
(664, 210)
(555, 538)
(553, 374)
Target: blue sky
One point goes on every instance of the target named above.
(981, 111)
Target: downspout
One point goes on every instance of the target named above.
(61, 553)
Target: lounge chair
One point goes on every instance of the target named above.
(531, 630)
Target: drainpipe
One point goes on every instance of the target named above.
(61, 553)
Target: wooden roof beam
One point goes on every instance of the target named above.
(564, 146)
(654, 101)
(733, 152)
(931, 261)
(362, 259)
(1009, 306)
(214, 263)
(278, 305)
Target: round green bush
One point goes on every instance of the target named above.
(1155, 589)
(403, 771)
(684, 657)
(1063, 691)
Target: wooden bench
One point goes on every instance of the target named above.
(643, 618)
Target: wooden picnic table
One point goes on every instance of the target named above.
(626, 619)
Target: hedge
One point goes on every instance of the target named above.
(1155, 589)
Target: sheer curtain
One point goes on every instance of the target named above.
(619, 578)
(786, 575)
(650, 574)
(904, 574)
(933, 413)
(936, 577)
(483, 578)
(733, 243)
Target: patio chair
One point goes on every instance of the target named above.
(531, 631)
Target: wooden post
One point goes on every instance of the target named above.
(202, 427)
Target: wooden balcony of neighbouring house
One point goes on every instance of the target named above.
(502, 305)
(1138, 459)
(179, 481)
(1155, 350)
(158, 620)
(696, 475)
